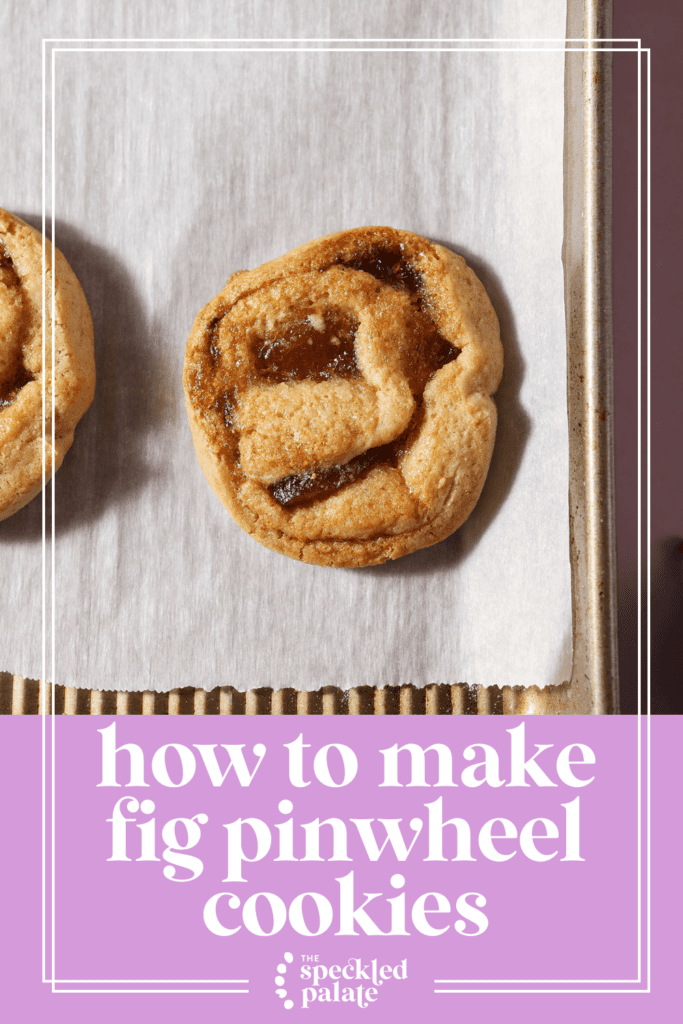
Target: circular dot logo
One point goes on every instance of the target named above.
(280, 980)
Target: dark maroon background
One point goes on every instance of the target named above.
(659, 26)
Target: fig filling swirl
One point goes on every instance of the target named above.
(321, 347)
(424, 352)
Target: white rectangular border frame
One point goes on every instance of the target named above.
(48, 822)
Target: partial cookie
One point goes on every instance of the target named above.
(339, 396)
(22, 372)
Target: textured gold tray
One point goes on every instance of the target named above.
(20, 696)
(587, 258)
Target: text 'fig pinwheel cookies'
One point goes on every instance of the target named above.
(23, 373)
(339, 396)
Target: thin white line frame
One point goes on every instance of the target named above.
(593, 44)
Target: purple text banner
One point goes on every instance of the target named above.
(294, 866)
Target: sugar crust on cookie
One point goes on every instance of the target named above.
(339, 396)
(22, 373)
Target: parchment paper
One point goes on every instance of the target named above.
(173, 170)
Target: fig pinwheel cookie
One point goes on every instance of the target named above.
(22, 370)
(339, 396)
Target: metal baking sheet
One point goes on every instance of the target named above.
(593, 688)
(587, 260)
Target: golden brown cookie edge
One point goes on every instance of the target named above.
(74, 360)
(484, 333)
